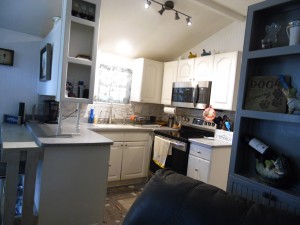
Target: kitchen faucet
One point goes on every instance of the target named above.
(110, 114)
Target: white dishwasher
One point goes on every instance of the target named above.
(209, 161)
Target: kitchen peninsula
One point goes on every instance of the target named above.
(71, 174)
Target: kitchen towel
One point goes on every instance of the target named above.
(162, 148)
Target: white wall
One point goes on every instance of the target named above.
(18, 83)
(230, 38)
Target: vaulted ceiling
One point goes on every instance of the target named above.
(147, 33)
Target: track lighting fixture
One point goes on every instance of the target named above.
(177, 16)
(147, 4)
(162, 10)
(189, 21)
(169, 5)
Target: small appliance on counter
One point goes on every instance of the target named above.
(171, 115)
(51, 111)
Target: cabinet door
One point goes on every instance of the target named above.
(198, 168)
(147, 81)
(135, 160)
(185, 70)
(115, 161)
(170, 73)
(226, 73)
(152, 81)
(203, 68)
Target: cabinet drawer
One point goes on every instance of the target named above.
(136, 136)
(198, 168)
(198, 151)
(115, 136)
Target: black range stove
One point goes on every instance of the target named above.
(191, 127)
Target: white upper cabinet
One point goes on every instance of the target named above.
(80, 33)
(203, 68)
(170, 74)
(185, 70)
(146, 81)
(226, 75)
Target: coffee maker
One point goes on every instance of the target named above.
(51, 111)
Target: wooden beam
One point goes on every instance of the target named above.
(221, 9)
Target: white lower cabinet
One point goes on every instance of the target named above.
(198, 168)
(134, 160)
(209, 164)
(129, 155)
(115, 161)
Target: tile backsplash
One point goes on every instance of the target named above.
(121, 111)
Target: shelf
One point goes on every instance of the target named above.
(289, 118)
(273, 52)
(80, 61)
(82, 21)
(279, 130)
(291, 190)
(77, 100)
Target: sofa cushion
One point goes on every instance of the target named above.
(173, 199)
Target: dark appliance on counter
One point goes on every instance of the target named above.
(51, 111)
(189, 95)
(191, 127)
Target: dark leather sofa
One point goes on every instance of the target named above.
(173, 199)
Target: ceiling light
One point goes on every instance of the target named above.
(162, 10)
(169, 5)
(189, 21)
(177, 16)
(123, 47)
(147, 4)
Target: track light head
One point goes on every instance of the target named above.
(162, 10)
(147, 4)
(189, 21)
(177, 16)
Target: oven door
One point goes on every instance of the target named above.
(176, 161)
(183, 94)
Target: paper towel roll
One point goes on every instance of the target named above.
(170, 110)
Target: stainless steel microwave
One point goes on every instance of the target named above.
(190, 95)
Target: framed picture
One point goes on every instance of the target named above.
(45, 63)
(6, 57)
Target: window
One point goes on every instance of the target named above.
(113, 84)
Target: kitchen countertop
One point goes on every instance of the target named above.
(45, 134)
(34, 135)
(209, 142)
(16, 137)
(125, 127)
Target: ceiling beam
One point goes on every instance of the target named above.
(220, 9)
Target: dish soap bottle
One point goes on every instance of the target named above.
(91, 117)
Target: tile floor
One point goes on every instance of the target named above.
(119, 201)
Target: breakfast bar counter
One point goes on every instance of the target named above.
(70, 173)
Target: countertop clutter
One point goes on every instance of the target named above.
(221, 139)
